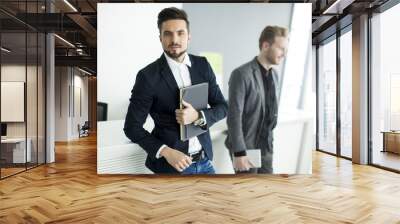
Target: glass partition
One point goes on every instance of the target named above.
(22, 87)
(14, 153)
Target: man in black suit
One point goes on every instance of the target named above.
(156, 92)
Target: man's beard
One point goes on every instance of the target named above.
(175, 56)
(272, 60)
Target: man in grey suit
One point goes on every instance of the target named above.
(254, 90)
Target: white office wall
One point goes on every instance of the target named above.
(80, 103)
(127, 40)
(13, 72)
(33, 126)
(232, 30)
(17, 73)
(61, 103)
(12, 101)
(70, 83)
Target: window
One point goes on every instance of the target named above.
(346, 94)
(385, 89)
(327, 96)
(297, 71)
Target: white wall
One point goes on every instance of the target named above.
(33, 126)
(12, 101)
(61, 103)
(127, 41)
(68, 81)
(80, 83)
(232, 30)
(18, 73)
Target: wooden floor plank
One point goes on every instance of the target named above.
(70, 191)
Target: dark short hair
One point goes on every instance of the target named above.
(172, 13)
(270, 32)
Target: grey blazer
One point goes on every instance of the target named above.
(246, 109)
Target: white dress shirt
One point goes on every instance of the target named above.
(182, 78)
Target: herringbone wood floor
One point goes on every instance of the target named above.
(70, 191)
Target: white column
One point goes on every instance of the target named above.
(50, 100)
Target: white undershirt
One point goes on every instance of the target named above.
(182, 78)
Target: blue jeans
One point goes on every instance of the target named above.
(203, 166)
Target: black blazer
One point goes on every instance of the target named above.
(156, 93)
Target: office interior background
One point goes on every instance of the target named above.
(46, 82)
(227, 44)
(49, 103)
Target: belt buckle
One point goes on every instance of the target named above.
(199, 157)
